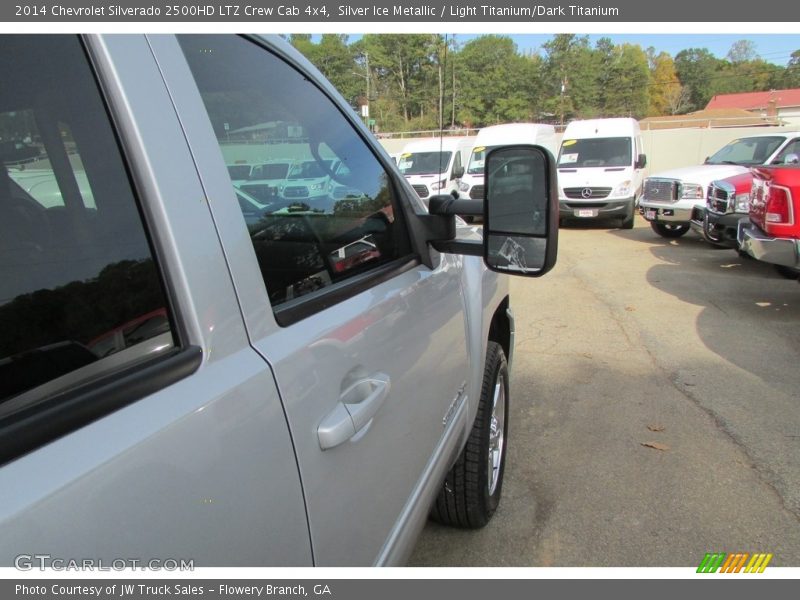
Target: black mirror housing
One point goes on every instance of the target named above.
(458, 172)
(641, 161)
(520, 211)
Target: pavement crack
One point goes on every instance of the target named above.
(764, 474)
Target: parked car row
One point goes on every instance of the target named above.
(671, 200)
(455, 165)
(744, 197)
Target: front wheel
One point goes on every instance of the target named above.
(787, 272)
(471, 490)
(627, 222)
(669, 230)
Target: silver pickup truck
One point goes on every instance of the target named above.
(191, 373)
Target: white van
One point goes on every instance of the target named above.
(601, 169)
(434, 165)
(471, 185)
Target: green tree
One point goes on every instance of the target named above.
(788, 77)
(570, 77)
(503, 81)
(623, 79)
(697, 68)
(403, 65)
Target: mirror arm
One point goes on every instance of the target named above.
(447, 205)
(463, 247)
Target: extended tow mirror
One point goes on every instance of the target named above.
(520, 231)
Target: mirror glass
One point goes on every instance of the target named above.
(517, 208)
(517, 197)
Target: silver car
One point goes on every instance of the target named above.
(182, 379)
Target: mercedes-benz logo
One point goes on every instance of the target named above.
(586, 192)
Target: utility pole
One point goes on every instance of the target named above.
(366, 60)
(365, 107)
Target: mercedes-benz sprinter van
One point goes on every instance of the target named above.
(434, 165)
(471, 185)
(601, 170)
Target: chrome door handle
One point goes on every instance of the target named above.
(357, 406)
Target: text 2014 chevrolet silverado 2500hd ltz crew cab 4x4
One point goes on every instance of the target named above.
(669, 197)
(297, 385)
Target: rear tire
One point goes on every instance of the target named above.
(787, 272)
(471, 491)
(668, 230)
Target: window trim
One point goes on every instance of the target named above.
(65, 411)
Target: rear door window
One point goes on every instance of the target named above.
(80, 292)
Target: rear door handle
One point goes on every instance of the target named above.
(357, 406)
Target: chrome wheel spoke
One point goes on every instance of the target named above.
(496, 434)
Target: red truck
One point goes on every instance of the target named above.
(727, 202)
(771, 232)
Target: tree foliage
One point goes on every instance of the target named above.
(424, 81)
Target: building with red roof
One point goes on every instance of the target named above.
(781, 104)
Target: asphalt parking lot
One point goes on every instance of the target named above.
(633, 339)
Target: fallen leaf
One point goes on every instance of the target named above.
(655, 427)
(655, 446)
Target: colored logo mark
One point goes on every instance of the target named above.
(734, 562)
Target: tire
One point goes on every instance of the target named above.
(627, 222)
(668, 230)
(471, 491)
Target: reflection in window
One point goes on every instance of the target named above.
(77, 279)
(326, 213)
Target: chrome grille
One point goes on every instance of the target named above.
(663, 190)
(476, 193)
(587, 192)
(295, 191)
(422, 190)
(720, 197)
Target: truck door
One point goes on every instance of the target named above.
(136, 421)
(366, 344)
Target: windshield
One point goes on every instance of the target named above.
(595, 152)
(308, 170)
(476, 159)
(419, 163)
(270, 171)
(239, 171)
(746, 151)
